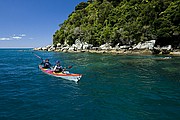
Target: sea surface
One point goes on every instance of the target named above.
(113, 87)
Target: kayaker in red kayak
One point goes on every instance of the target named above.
(46, 64)
(58, 68)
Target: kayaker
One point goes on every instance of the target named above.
(58, 67)
(46, 64)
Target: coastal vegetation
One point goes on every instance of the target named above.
(123, 22)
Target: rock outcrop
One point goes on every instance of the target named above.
(147, 47)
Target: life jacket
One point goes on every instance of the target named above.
(47, 65)
(58, 68)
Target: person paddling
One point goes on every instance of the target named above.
(58, 68)
(46, 64)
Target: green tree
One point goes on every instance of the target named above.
(122, 21)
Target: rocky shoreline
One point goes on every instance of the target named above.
(146, 48)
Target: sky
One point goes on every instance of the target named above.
(32, 23)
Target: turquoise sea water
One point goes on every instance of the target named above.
(113, 87)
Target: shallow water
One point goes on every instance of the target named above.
(112, 87)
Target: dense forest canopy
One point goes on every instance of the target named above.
(122, 21)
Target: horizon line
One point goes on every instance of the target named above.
(15, 47)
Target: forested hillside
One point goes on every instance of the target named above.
(122, 21)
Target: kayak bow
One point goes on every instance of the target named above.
(65, 75)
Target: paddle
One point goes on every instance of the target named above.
(69, 67)
(66, 68)
(37, 56)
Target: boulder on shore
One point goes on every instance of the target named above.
(106, 46)
(39, 48)
(146, 45)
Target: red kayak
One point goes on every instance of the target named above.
(65, 75)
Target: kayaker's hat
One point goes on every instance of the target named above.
(57, 61)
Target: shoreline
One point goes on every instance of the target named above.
(119, 52)
(142, 48)
(126, 52)
(123, 52)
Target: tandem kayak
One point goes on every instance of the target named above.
(65, 75)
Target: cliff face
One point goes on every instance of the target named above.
(122, 21)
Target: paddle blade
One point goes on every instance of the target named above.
(70, 66)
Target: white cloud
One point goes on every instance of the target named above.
(13, 37)
(4, 38)
(22, 35)
(17, 37)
